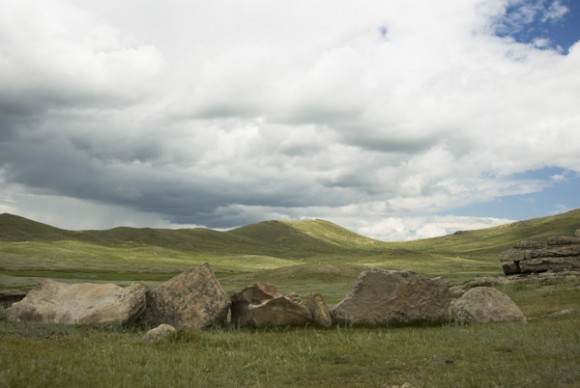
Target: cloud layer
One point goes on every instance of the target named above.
(359, 112)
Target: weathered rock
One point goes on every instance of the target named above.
(383, 297)
(319, 310)
(160, 333)
(543, 264)
(485, 305)
(511, 268)
(577, 233)
(512, 255)
(279, 312)
(561, 254)
(563, 240)
(83, 304)
(293, 296)
(529, 244)
(193, 298)
(255, 294)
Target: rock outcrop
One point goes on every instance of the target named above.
(83, 304)
(562, 253)
(485, 305)
(193, 298)
(382, 297)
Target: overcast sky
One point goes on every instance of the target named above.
(398, 119)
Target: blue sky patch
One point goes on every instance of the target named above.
(561, 194)
(546, 24)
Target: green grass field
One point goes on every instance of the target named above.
(311, 256)
(543, 353)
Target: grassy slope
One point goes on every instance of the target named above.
(275, 246)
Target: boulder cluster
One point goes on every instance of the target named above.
(196, 299)
(561, 253)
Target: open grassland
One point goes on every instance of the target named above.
(311, 256)
(30, 250)
(543, 353)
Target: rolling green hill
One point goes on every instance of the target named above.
(30, 247)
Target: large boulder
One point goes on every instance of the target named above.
(254, 294)
(262, 305)
(193, 298)
(485, 305)
(382, 297)
(83, 304)
(279, 312)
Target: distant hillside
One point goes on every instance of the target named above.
(273, 238)
(16, 228)
(27, 244)
(490, 241)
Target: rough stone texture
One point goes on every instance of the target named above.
(485, 305)
(394, 297)
(529, 244)
(160, 333)
(193, 298)
(494, 281)
(279, 312)
(562, 253)
(83, 304)
(255, 294)
(563, 240)
(319, 310)
(577, 233)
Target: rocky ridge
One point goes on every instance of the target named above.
(561, 253)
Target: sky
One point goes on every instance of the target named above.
(397, 119)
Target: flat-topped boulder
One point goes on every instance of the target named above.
(80, 304)
(561, 253)
(382, 297)
(194, 298)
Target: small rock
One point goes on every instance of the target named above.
(561, 313)
(160, 333)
